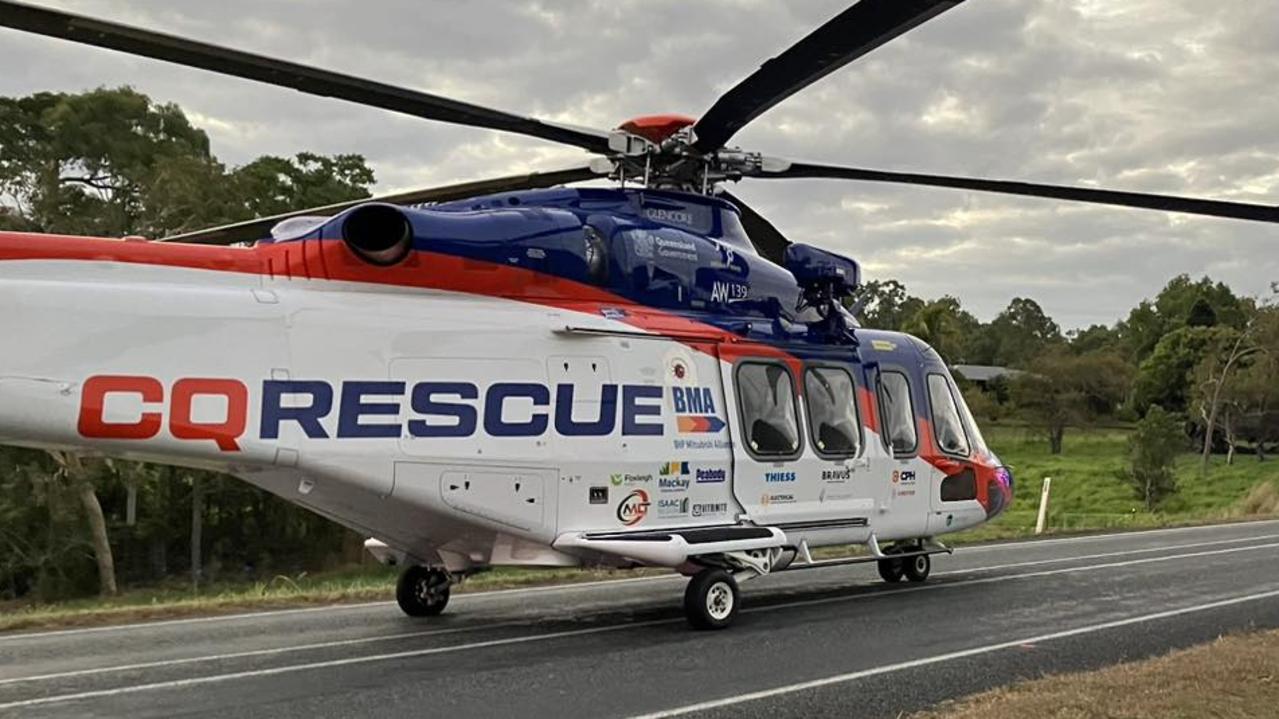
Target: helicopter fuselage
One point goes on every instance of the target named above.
(545, 378)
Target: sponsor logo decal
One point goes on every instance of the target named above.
(707, 476)
(695, 410)
(672, 484)
(767, 499)
(836, 476)
(599, 495)
(672, 507)
(620, 478)
(905, 476)
(673, 477)
(710, 509)
(775, 477)
(613, 313)
(679, 217)
(633, 508)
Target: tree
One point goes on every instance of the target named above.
(885, 304)
(1154, 447)
(81, 476)
(1023, 332)
(110, 162)
(1165, 377)
(944, 325)
(1212, 375)
(1059, 389)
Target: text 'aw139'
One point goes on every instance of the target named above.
(516, 372)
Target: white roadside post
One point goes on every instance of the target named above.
(1043, 506)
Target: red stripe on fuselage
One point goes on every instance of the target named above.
(331, 260)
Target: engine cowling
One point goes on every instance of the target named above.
(378, 234)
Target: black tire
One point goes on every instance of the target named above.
(422, 591)
(711, 599)
(892, 570)
(918, 567)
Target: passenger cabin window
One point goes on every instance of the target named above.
(899, 413)
(832, 411)
(767, 399)
(947, 424)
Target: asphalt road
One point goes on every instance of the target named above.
(826, 642)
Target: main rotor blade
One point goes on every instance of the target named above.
(851, 34)
(1167, 203)
(769, 242)
(324, 83)
(260, 228)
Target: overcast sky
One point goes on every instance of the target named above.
(1174, 96)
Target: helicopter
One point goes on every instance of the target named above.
(513, 371)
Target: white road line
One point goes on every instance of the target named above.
(583, 585)
(455, 630)
(1103, 555)
(254, 653)
(290, 668)
(1113, 535)
(463, 598)
(1006, 577)
(950, 656)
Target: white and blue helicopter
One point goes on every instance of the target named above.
(509, 372)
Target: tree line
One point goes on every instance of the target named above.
(1196, 361)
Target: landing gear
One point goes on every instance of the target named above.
(917, 567)
(423, 591)
(914, 567)
(711, 599)
(892, 570)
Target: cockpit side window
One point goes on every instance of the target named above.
(947, 425)
(898, 411)
(832, 412)
(766, 395)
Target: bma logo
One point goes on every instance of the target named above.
(773, 477)
(633, 508)
(695, 410)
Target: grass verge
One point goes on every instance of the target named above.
(1235, 677)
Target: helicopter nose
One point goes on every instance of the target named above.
(999, 489)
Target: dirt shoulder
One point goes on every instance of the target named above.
(1235, 677)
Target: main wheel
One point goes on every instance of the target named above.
(711, 599)
(422, 591)
(892, 570)
(918, 567)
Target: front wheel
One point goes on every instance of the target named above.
(423, 591)
(918, 567)
(711, 599)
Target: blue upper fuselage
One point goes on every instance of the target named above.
(675, 251)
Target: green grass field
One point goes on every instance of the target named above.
(1087, 496)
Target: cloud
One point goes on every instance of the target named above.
(1170, 96)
